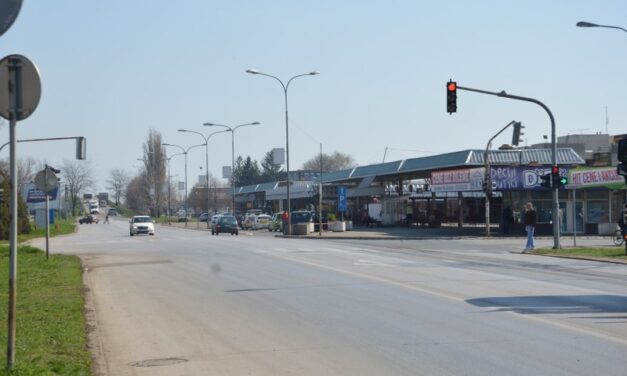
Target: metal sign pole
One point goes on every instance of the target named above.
(574, 218)
(15, 88)
(47, 214)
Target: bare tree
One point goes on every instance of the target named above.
(155, 171)
(26, 169)
(77, 175)
(136, 198)
(330, 162)
(118, 179)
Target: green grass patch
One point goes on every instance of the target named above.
(51, 334)
(607, 253)
(60, 227)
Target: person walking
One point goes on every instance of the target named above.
(106, 219)
(530, 220)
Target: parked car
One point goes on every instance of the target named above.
(276, 222)
(261, 221)
(240, 219)
(141, 224)
(325, 220)
(203, 217)
(227, 224)
(88, 219)
(301, 216)
(215, 218)
(248, 221)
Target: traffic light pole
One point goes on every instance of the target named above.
(556, 205)
(487, 178)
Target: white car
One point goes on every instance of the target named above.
(215, 218)
(141, 224)
(261, 221)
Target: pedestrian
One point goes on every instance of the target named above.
(530, 220)
(106, 219)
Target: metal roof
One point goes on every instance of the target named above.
(458, 159)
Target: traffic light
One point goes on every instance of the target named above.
(451, 97)
(516, 136)
(557, 180)
(546, 180)
(487, 187)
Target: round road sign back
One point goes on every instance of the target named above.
(45, 180)
(9, 9)
(29, 91)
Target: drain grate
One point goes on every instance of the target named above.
(158, 362)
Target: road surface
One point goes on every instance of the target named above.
(187, 303)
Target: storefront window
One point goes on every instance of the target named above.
(597, 211)
(544, 209)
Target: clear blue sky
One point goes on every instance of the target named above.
(113, 69)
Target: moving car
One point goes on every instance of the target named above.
(88, 219)
(112, 211)
(226, 223)
(261, 221)
(141, 224)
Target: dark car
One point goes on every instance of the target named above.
(240, 220)
(204, 217)
(87, 220)
(226, 223)
(301, 216)
(316, 221)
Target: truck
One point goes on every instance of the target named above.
(93, 207)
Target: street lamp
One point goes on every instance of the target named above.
(590, 24)
(287, 138)
(232, 130)
(170, 185)
(206, 138)
(184, 152)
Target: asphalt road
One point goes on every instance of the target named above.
(187, 303)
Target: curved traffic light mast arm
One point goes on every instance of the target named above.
(555, 211)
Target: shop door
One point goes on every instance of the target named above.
(567, 221)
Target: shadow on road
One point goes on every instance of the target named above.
(555, 304)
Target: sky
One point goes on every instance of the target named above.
(111, 70)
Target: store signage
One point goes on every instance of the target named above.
(603, 176)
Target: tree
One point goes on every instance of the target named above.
(330, 162)
(155, 172)
(246, 172)
(136, 199)
(118, 179)
(270, 171)
(23, 224)
(77, 175)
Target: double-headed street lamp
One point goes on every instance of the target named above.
(287, 138)
(590, 24)
(232, 130)
(170, 185)
(184, 152)
(206, 138)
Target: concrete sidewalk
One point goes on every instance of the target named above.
(417, 233)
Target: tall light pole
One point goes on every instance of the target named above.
(590, 24)
(184, 152)
(287, 137)
(206, 138)
(232, 130)
(170, 185)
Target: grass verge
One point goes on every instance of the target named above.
(602, 253)
(51, 335)
(61, 227)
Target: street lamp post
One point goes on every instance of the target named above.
(184, 152)
(232, 130)
(170, 185)
(206, 138)
(590, 24)
(287, 138)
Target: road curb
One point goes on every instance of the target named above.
(369, 237)
(583, 258)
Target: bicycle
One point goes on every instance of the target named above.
(618, 237)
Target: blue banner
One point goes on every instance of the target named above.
(520, 178)
(342, 205)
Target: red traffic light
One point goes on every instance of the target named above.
(555, 170)
(452, 86)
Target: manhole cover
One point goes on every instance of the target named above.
(158, 362)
